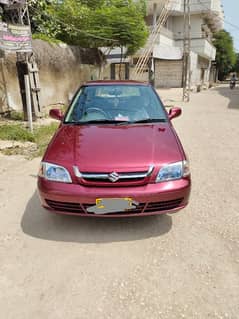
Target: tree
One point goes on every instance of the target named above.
(92, 23)
(225, 57)
(236, 67)
(41, 19)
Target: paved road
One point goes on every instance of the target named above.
(180, 266)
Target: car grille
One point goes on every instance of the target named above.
(120, 180)
(151, 207)
(113, 179)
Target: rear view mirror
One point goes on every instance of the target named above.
(174, 112)
(56, 114)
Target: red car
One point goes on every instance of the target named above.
(115, 154)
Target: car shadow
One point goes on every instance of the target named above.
(38, 222)
(232, 95)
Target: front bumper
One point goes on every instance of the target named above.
(153, 199)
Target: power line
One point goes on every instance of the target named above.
(114, 40)
(78, 30)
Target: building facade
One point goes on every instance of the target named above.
(206, 17)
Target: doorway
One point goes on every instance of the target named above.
(119, 71)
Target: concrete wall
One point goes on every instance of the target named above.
(164, 40)
(196, 26)
(195, 71)
(62, 69)
(178, 26)
(169, 23)
(200, 71)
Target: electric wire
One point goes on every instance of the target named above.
(78, 30)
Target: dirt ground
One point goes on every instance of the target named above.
(173, 266)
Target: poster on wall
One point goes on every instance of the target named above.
(15, 38)
(13, 2)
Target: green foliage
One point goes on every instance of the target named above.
(15, 132)
(91, 23)
(16, 116)
(236, 67)
(142, 7)
(41, 20)
(41, 136)
(226, 56)
(93, 4)
(46, 38)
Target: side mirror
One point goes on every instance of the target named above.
(174, 112)
(56, 114)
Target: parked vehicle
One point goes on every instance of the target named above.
(233, 81)
(115, 154)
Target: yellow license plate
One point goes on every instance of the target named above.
(112, 205)
(103, 202)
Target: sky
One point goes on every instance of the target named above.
(231, 11)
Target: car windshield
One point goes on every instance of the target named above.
(116, 104)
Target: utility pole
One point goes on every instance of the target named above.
(16, 16)
(186, 52)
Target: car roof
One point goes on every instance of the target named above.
(116, 82)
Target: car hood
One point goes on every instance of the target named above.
(95, 148)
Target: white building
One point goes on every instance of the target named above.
(206, 18)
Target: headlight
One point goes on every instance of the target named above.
(173, 171)
(54, 173)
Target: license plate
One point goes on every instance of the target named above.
(112, 205)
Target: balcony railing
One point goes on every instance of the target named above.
(194, 35)
(201, 46)
(209, 8)
(199, 6)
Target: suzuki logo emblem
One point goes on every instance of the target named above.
(113, 177)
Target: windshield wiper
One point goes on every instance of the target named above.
(150, 121)
(117, 122)
(102, 121)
